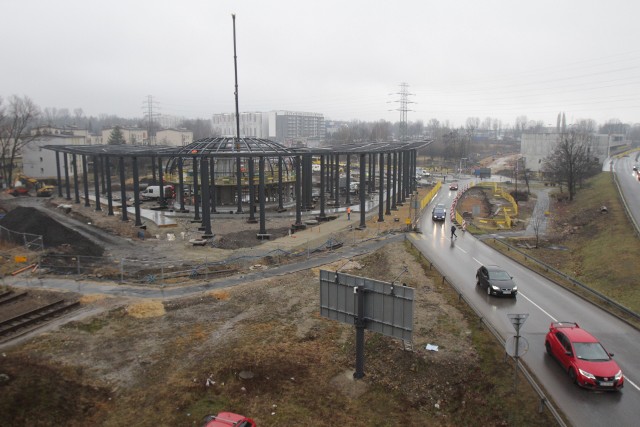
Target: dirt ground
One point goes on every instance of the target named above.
(171, 362)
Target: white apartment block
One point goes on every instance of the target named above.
(536, 147)
(40, 163)
(252, 125)
(286, 127)
(132, 136)
(174, 137)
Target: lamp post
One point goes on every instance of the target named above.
(460, 168)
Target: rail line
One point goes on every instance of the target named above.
(40, 314)
(9, 296)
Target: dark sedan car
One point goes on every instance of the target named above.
(496, 281)
(587, 362)
(439, 214)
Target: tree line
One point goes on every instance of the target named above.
(568, 164)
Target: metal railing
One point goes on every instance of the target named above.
(575, 282)
(32, 242)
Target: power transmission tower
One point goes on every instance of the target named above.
(403, 108)
(150, 117)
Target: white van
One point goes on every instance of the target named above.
(152, 192)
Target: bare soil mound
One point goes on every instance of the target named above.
(54, 235)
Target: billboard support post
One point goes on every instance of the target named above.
(360, 323)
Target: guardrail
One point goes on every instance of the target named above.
(636, 226)
(581, 285)
(544, 401)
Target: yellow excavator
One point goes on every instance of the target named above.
(24, 184)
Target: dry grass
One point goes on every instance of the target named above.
(145, 309)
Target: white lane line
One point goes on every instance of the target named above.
(476, 260)
(540, 308)
(461, 249)
(627, 380)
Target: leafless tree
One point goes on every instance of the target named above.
(15, 121)
(536, 222)
(571, 161)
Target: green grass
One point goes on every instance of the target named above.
(603, 248)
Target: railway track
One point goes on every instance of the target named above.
(32, 317)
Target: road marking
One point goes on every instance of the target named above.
(540, 308)
(631, 382)
(461, 249)
(476, 260)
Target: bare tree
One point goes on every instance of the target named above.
(536, 222)
(20, 115)
(570, 162)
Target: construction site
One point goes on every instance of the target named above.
(189, 330)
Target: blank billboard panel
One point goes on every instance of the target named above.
(388, 309)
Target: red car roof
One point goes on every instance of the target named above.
(574, 332)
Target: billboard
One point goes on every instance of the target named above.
(388, 308)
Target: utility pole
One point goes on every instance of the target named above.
(150, 116)
(403, 108)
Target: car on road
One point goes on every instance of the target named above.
(439, 213)
(583, 357)
(496, 281)
(453, 186)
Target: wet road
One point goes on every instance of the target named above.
(545, 302)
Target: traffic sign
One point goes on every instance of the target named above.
(516, 347)
(517, 320)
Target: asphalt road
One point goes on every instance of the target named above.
(629, 183)
(545, 302)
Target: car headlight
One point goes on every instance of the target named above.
(515, 288)
(618, 375)
(587, 374)
(495, 288)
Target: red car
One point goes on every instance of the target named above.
(586, 361)
(227, 419)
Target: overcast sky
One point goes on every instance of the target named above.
(344, 59)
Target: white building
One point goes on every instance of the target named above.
(40, 163)
(174, 137)
(536, 147)
(287, 127)
(252, 125)
(132, 136)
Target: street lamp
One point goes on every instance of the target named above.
(460, 168)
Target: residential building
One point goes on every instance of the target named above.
(131, 135)
(286, 127)
(252, 125)
(40, 163)
(174, 137)
(536, 147)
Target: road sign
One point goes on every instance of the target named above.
(516, 347)
(517, 320)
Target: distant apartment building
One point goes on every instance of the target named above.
(252, 125)
(40, 163)
(174, 137)
(536, 147)
(286, 127)
(131, 135)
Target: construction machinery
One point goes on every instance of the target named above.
(24, 184)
